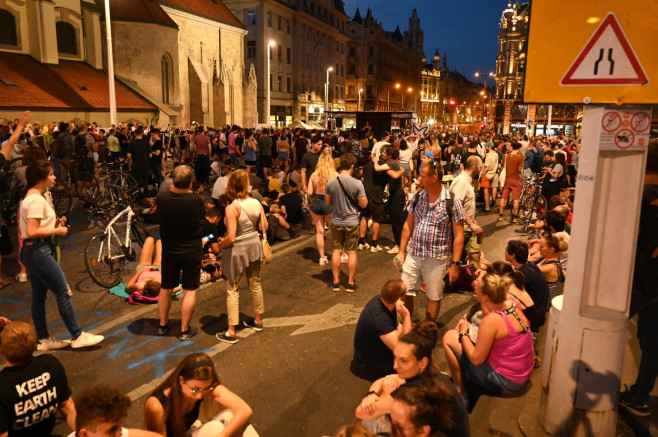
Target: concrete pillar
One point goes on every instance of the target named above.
(43, 40)
(584, 355)
(507, 116)
(92, 30)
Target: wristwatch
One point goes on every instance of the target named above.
(457, 263)
(463, 334)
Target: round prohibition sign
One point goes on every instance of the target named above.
(611, 121)
(624, 139)
(640, 122)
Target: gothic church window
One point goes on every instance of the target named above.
(67, 38)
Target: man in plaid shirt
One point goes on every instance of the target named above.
(431, 245)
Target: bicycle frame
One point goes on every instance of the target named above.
(110, 233)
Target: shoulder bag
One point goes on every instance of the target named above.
(350, 198)
(267, 249)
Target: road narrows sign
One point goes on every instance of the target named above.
(607, 59)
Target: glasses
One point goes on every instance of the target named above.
(397, 430)
(200, 390)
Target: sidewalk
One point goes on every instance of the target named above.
(519, 416)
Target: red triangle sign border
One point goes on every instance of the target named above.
(609, 20)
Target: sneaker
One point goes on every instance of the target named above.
(375, 249)
(51, 344)
(500, 217)
(86, 339)
(163, 330)
(486, 208)
(637, 408)
(251, 323)
(364, 246)
(395, 249)
(188, 334)
(226, 338)
(335, 287)
(21, 277)
(351, 288)
(344, 258)
(323, 261)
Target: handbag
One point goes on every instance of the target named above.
(267, 249)
(6, 246)
(503, 174)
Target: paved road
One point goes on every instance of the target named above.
(294, 374)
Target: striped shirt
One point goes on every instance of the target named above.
(432, 234)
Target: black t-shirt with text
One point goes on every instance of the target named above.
(30, 395)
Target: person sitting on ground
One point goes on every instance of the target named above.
(534, 282)
(425, 411)
(503, 357)
(378, 331)
(554, 224)
(101, 411)
(288, 212)
(415, 368)
(550, 247)
(32, 388)
(189, 396)
(354, 430)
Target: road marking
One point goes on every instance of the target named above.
(335, 317)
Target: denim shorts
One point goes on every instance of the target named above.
(319, 206)
(487, 378)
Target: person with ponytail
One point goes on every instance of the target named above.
(190, 396)
(415, 368)
(503, 357)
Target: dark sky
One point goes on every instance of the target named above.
(466, 30)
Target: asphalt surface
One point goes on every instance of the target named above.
(294, 374)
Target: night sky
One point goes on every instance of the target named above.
(465, 30)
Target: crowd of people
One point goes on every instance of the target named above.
(264, 185)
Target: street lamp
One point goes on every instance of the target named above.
(358, 107)
(397, 87)
(484, 99)
(110, 66)
(409, 90)
(326, 98)
(270, 44)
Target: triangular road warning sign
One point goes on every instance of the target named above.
(606, 59)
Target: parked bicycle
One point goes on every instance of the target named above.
(107, 253)
(532, 205)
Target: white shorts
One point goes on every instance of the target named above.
(416, 269)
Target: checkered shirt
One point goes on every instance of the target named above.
(432, 235)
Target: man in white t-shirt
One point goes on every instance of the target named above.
(462, 189)
(220, 184)
(100, 413)
(377, 147)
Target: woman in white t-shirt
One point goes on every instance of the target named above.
(38, 225)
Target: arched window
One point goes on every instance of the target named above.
(67, 38)
(165, 65)
(8, 35)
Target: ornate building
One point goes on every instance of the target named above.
(308, 38)
(512, 115)
(51, 62)
(385, 65)
(191, 65)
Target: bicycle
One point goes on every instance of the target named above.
(107, 252)
(534, 206)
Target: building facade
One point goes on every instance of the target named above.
(383, 68)
(511, 114)
(51, 62)
(308, 38)
(192, 64)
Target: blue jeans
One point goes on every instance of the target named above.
(488, 378)
(234, 159)
(157, 173)
(45, 274)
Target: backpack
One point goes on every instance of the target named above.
(58, 148)
(538, 161)
(80, 147)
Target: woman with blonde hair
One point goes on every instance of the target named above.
(191, 395)
(320, 211)
(241, 253)
(550, 247)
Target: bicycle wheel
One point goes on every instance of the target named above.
(538, 209)
(105, 267)
(139, 233)
(62, 200)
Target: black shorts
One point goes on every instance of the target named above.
(190, 266)
(378, 211)
(266, 161)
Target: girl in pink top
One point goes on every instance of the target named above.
(503, 357)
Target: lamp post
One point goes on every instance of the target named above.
(409, 90)
(358, 107)
(268, 79)
(484, 99)
(110, 67)
(397, 87)
(326, 98)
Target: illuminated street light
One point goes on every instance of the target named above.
(358, 107)
(326, 97)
